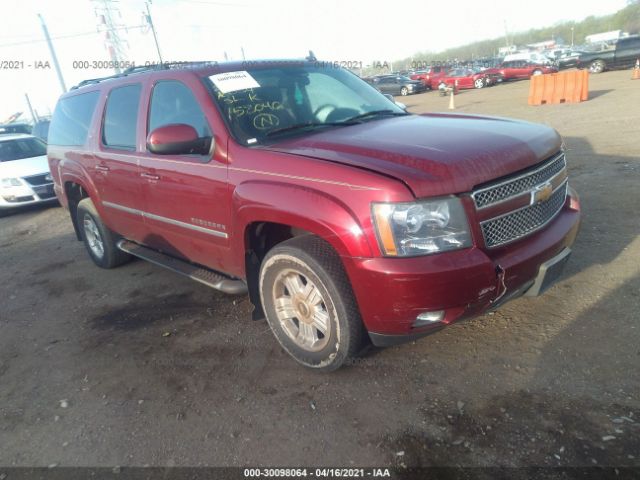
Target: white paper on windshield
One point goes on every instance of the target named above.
(234, 81)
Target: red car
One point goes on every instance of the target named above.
(520, 69)
(344, 218)
(429, 74)
(461, 78)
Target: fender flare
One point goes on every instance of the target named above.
(87, 185)
(299, 207)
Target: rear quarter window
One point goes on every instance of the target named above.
(72, 119)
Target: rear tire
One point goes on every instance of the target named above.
(99, 240)
(309, 303)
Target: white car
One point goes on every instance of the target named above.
(24, 172)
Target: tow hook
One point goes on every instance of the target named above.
(502, 288)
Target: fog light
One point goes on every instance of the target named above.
(428, 318)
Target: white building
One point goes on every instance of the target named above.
(604, 37)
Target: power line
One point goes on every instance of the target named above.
(72, 35)
(221, 4)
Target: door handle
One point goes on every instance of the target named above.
(102, 168)
(150, 176)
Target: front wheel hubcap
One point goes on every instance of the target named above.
(301, 310)
(92, 234)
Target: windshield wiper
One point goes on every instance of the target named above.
(309, 126)
(376, 113)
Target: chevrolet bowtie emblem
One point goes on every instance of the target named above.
(541, 193)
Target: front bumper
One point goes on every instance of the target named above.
(392, 292)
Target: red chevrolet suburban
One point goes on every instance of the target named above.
(345, 218)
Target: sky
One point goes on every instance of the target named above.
(336, 30)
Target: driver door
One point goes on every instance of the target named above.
(186, 196)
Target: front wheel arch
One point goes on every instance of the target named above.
(319, 266)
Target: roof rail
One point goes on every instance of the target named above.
(146, 68)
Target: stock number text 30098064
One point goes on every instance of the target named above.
(322, 472)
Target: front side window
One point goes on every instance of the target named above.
(72, 118)
(121, 117)
(20, 148)
(263, 104)
(173, 102)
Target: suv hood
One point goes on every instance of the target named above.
(434, 154)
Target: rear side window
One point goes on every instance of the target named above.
(121, 117)
(174, 102)
(72, 118)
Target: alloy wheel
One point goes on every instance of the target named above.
(92, 234)
(301, 310)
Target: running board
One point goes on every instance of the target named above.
(200, 274)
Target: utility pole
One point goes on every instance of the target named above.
(506, 34)
(108, 15)
(54, 59)
(571, 37)
(153, 29)
(242, 50)
(34, 117)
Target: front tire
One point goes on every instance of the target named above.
(309, 303)
(479, 83)
(404, 91)
(597, 66)
(536, 73)
(99, 240)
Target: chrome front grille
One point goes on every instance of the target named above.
(519, 223)
(492, 194)
(543, 191)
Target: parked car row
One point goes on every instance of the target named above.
(464, 77)
(40, 129)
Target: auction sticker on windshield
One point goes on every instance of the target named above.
(234, 81)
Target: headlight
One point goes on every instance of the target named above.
(421, 227)
(11, 182)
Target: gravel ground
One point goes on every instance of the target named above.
(138, 366)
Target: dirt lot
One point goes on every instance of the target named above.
(138, 366)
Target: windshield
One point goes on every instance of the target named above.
(21, 148)
(262, 104)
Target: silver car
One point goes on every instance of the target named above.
(24, 172)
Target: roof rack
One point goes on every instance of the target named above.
(147, 68)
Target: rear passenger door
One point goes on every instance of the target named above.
(186, 198)
(115, 168)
